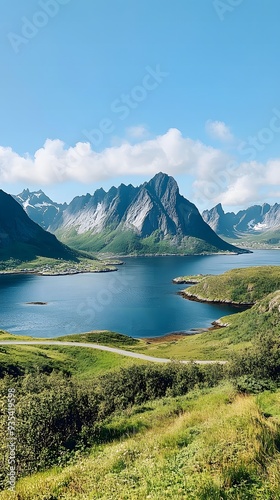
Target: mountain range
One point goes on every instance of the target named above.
(152, 218)
(258, 222)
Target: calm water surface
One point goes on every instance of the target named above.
(139, 299)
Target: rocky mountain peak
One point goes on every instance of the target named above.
(162, 185)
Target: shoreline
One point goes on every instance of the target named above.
(172, 336)
(129, 256)
(166, 337)
(67, 273)
(197, 298)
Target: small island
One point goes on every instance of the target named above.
(36, 303)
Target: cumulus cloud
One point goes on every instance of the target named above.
(219, 130)
(54, 162)
(215, 175)
(240, 184)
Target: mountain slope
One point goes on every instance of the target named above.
(257, 223)
(23, 239)
(39, 207)
(151, 218)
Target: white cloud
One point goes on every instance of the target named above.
(216, 177)
(54, 162)
(241, 184)
(219, 130)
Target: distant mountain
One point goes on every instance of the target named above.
(23, 239)
(219, 221)
(39, 207)
(151, 218)
(259, 221)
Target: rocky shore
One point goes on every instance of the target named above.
(189, 280)
(197, 298)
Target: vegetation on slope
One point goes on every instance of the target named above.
(186, 459)
(246, 285)
(103, 337)
(58, 415)
(129, 242)
(79, 363)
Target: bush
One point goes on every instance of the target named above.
(258, 368)
(57, 415)
(251, 385)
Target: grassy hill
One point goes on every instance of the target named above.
(246, 285)
(128, 242)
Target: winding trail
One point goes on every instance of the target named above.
(114, 350)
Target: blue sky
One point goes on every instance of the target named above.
(95, 93)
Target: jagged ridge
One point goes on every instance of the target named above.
(151, 218)
(255, 220)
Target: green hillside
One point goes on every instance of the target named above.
(129, 242)
(245, 285)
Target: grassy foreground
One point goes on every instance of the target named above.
(190, 458)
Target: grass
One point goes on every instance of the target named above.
(212, 345)
(188, 459)
(129, 243)
(245, 285)
(103, 337)
(81, 363)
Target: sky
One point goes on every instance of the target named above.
(101, 92)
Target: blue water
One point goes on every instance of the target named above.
(139, 299)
